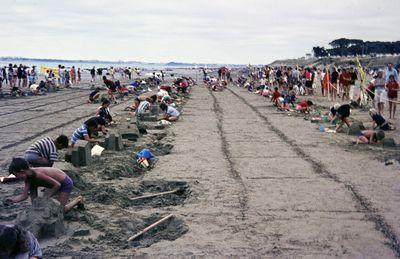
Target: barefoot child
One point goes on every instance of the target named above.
(304, 106)
(104, 112)
(340, 113)
(94, 95)
(370, 136)
(83, 133)
(171, 114)
(100, 126)
(393, 88)
(275, 95)
(379, 122)
(44, 151)
(54, 179)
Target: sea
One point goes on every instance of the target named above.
(85, 64)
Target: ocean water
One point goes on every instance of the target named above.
(85, 65)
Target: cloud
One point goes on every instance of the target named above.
(220, 31)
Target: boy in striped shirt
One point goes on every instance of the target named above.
(43, 152)
(83, 132)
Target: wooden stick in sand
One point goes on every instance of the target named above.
(153, 195)
(149, 227)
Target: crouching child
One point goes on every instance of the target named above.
(54, 179)
(170, 113)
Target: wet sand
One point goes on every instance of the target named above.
(254, 182)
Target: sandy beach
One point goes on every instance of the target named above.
(252, 181)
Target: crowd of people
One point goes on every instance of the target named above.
(36, 166)
(285, 85)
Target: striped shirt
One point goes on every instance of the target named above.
(143, 106)
(79, 133)
(44, 148)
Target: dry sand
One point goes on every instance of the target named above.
(254, 182)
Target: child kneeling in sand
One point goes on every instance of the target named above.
(304, 106)
(54, 179)
(171, 114)
(370, 136)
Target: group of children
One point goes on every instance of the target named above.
(284, 96)
(36, 166)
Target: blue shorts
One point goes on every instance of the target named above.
(31, 157)
(66, 185)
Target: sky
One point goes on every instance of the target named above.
(202, 31)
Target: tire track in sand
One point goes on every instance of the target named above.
(371, 213)
(242, 192)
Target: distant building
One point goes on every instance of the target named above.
(309, 56)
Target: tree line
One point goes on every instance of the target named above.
(352, 47)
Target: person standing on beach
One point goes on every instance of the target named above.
(4, 74)
(93, 74)
(59, 75)
(24, 77)
(15, 75)
(10, 75)
(354, 92)
(79, 75)
(309, 81)
(344, 81)
(73, 75)
(334, 84)
(380, 92)
(32, 76)
(391, 71)
(392, 88)
(19, 75)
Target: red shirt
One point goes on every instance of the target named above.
(303, 104)
(392, 86)
(276, 95)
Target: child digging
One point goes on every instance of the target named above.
(370, 136)
(171, 114)
(44, 151)
(54, 179)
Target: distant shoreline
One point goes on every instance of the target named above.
(120, 62)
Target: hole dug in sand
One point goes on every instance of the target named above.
(158, 193)
(171, 229)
